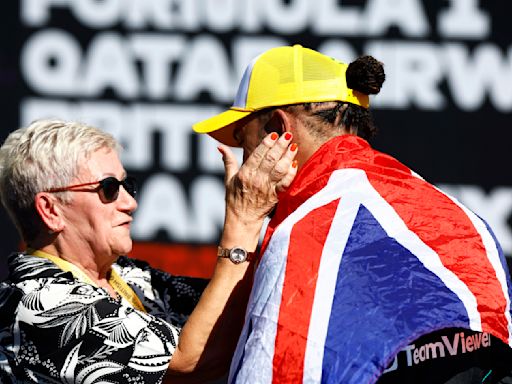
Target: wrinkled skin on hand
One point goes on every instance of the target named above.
(252, 191)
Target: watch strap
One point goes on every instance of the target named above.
(225, 252)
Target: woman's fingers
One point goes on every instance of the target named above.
(230, 163)
(287, 179)
(285, 170)
(283, 165)
(257, 156)
(273, 156)
(269, 152)
(272, 160)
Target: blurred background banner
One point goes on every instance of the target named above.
(146, 70)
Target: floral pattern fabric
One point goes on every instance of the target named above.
(57, 329)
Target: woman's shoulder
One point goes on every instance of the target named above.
(25, 267)
(10, 296)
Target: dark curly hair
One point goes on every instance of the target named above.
(365, 75)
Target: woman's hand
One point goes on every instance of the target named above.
(252, 191)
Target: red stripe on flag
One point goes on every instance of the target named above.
(307, 240)
(445, 228)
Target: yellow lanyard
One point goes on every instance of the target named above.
(114, 279)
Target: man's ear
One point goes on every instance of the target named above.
(279, 122)
(49, 211)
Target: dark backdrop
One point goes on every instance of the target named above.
(146, 73)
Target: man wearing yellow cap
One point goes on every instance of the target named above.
(368, 272)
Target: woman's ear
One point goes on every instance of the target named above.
(49, 211)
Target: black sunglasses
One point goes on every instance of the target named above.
(108, 188)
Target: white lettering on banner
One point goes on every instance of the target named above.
(463, 19)
(148, 13)
(188, 14)
(174, 125)
(221, 15)
(157, 53)
(407, 15)
(36, 13)
(109, 64)
(338, 49)
(488, 71)
(207, 195)
(165, 15)
(98, 14)
(414, 72)
(250, 18)
(331, 18)
(134, 126)
(494, 207)
(134, 14)
(205, 67)
(414, 75)
(287, 18)
(50, 62)
(163, 206)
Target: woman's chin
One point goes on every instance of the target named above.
(123, 249)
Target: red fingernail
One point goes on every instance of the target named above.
(294, 164)
(287, 135)
(293, 147)
(274, 136)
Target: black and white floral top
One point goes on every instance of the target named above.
(57, 329)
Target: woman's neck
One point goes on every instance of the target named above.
(98, 274)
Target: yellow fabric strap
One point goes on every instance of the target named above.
(114, 279)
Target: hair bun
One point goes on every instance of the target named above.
(366, 75)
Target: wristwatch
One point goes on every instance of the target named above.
(236, 254)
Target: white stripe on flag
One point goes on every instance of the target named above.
(327, 276)
(252, 361)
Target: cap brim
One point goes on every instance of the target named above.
(221, 126)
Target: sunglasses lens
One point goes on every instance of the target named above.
(110, 188)
(130, 185)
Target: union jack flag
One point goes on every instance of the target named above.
(362, 257)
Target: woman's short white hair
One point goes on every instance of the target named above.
(46, 154)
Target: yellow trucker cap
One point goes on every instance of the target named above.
(283, 76)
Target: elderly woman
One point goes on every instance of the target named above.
(74, 310)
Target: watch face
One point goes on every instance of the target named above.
(238, 255)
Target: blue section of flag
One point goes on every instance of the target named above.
(381, 286)
(502, 259)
